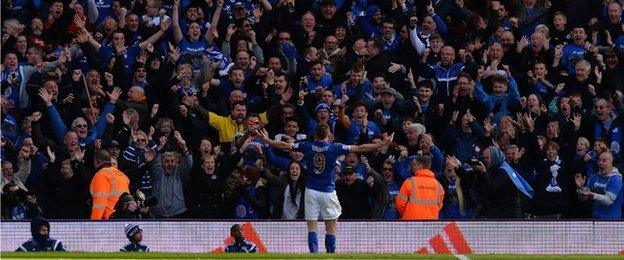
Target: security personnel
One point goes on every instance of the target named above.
(107, 185)
(421, 196)
(41, 241)
(134, 233)
(240, 244)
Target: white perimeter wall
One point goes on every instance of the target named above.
(482, 237)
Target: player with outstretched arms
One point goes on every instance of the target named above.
(320, 196)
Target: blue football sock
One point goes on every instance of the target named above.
(312, 242)
(330, 243)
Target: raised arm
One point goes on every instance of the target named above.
(96, 45)
(215, 22)
(277, 144)
(24, 167)
(416, 42)
(177, 31)
(365, 148)
(164, 26)
(266, 5)
(100, 125)
(93, 12)
(58, 126)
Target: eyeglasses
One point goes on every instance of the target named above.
(141, 140)
(387, 169)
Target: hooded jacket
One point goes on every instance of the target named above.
(501, 195)
(367, 25)
(40, 242)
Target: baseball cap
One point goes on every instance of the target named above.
(391, 91)
(113, 143)
(348, 170)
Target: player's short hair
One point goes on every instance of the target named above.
(321, 131)
(424, 160)
(102, 155)
(234, 227)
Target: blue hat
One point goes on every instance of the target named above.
(131, 230)
(321, 106)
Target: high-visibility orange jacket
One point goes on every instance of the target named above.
(420, 196)
(106, 187)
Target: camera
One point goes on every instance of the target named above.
(143, 201)
(474, 161)
(469, 166)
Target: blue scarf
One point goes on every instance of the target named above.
(216, 56)
(520, 183)
(498, 158)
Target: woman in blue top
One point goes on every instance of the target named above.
(193, 45)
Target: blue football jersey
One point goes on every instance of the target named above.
(320, 160)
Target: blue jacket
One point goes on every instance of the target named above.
(464, 144)
(97, 130)
(325, 82)
(392, 44)
(368, 28)
(353, 134)
(445, 78)
(244, 246)
(134, 247)
(366, 89)
(499, 105)
(607, 191)
(38, 241)
(49, 244)
(572, 53)
(280, 162)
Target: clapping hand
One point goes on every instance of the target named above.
(114, 95)
(370, 181)
(51, 154)
(364, 161)
(78, 154)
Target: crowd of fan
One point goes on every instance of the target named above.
(193, 84)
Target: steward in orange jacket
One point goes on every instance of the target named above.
(106, 187)
(420, 196)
